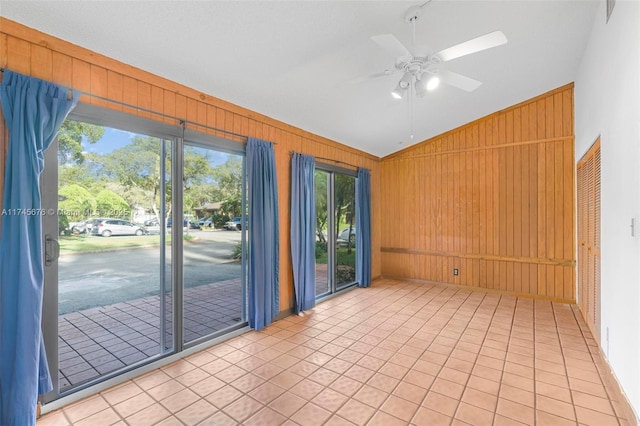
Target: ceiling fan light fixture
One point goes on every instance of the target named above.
(421, 88)
(406, 80)
(403, 85)
(433, 83)
(398, 92)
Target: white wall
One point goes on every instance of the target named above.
(607, 104)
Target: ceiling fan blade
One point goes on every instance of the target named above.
(477, 44)
(458, 80)
(363, 78)
(391, 44)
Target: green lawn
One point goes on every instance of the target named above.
(78, 243)
(343, 257)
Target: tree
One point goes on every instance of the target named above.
(86, 174)
(228, 181)
(70, 138)
(137, 168)
(321, 204)
(76, 203)
(197, 184)
(108, 203)
(345, 202)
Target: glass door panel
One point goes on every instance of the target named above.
(322, 232)
(335, 231)
(114, 269)
(345, 237)
(213, 278)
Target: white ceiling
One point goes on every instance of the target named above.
(293, 60)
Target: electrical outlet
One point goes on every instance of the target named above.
(456, 271)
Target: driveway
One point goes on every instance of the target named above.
(95, 279)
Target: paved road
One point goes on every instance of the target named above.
(97, 279)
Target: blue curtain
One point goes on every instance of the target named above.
(303, 231)
(363, 225)
(34, 111)
(264, 244)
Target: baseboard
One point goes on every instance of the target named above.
(284, 314)
(484, 290)
(626, 409)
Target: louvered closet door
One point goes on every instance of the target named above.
(582, 295)
(588, 174)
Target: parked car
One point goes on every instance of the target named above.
(206, 222)
(83, 227)
(194, 224)
(347, 235)
(152, 222)
(234, 224)
(185, 223)
(77, 227)
(109, 226)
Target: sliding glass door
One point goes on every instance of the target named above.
(335, 230)
(105, 216)
(213, 274)
(138, 264)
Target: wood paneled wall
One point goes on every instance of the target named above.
(493, 199)
(33, 53)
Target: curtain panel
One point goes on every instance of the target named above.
(264, 244)
(33, 111)
(303, 231)
(363, 225)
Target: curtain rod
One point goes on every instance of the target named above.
(160, 114)
(329, 159)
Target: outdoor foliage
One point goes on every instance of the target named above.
(344, 212)
(321, 250)
(219, 220)
(134, 176)
(321, 205)
(71, 136)
(228, 190)
(108, 203)
(76, 202)
(237, 252)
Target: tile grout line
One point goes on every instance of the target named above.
(495, 410)
(386, 361)
(476, 356)
(564, 361)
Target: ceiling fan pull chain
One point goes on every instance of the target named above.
(411, 116)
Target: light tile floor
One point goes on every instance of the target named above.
(396, 353)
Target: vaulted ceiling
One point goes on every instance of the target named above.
(300, 61)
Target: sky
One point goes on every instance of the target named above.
(115, 138)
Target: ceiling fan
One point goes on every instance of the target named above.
(422, 72)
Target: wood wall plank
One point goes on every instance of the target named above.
(496, 202)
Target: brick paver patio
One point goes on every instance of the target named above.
(100, 340)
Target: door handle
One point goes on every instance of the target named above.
(51, 250)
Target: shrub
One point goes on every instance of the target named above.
(237, 252)
(345, 274)
(321, 249)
